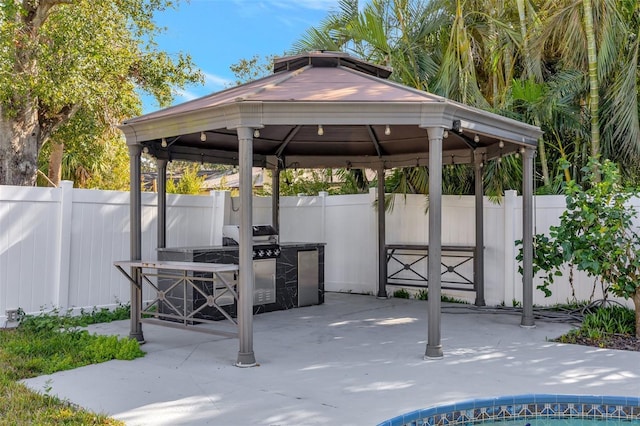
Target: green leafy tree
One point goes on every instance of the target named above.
(189, 183)
(256, 67)
(596, 235)
(60, 57)
(332, 181)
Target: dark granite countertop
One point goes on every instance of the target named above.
(233, 248)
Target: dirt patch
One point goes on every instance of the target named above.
(616, 341)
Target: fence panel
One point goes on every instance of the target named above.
(29, 244)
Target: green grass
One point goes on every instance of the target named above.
(44, 344)
(423, 294)
(601, 324)
(401, 293)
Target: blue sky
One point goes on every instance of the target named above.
(218, 33)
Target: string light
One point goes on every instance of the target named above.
(145, 150)
(256, 133)
(203, 136)
(476, 138)
(445, 134)
(163, 143)
(501, 144)
(387, 130)
(320, 130)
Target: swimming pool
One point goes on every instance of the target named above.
(518, 410)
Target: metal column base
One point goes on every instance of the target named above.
(246, 359)
(138, 336)
(434, 352)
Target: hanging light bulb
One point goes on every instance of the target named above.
(500, 159)
(522, 150)
(145, 150)
(320, 130)
(203, 136)
(476, 138)
(387, 130)
(163, 143)
(256, 133)
(501, 144)
(445, 134)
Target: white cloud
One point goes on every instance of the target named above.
(305, 4)
(253, 6)
(215, 81)
(185, 94)
(212, 83)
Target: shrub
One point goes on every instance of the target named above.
(401, 294)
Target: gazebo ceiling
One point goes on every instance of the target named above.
(366, 120)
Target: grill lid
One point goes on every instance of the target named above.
(262, 234)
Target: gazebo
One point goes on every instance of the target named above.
(331, 110)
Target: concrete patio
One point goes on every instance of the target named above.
(356, 360)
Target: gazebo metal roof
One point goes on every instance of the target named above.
(353, 102)
(328, 109)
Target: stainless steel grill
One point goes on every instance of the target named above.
(265, 240)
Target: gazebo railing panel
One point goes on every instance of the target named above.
(407, 266)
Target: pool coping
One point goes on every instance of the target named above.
(521, 407)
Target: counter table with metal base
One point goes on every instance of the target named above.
(216, 286)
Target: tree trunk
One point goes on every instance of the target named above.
(19, 147)
(594, 97)
(525, 39)
(55, 163)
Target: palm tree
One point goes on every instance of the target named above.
(620, 103)
(586, 36)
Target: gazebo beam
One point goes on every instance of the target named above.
(434, 346)
(135, 236)
(527, 238)
(275, 199)
(382, 247)
(246, 357)
(162, 202)
(478, 255)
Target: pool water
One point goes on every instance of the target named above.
(530, 409)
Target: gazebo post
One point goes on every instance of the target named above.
(275, 199)
(135, 235)
(382, 250)
(434, 346)
(478, 255)
(162, 202)
(527, 238)
(246, 357)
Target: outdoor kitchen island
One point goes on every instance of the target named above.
(287, 275)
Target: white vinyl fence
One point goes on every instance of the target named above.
(58, 245)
